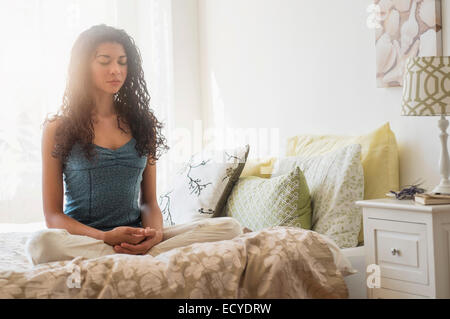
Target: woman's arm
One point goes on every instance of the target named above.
(151, 215)
(62, 221)
(52, 190)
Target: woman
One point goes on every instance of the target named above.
(103, 144)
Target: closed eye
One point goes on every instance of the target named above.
(106, 63)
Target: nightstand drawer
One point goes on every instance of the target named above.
(400, 249)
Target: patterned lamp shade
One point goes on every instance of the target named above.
(426, 86)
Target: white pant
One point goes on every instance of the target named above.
(58, 244)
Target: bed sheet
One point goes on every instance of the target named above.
(277, 262)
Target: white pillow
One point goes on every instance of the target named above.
(335, 181)
(201, 188)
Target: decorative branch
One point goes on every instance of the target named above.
(229, 172)
(166, 209)
(209, 211)
(194, 184)
(232, 156)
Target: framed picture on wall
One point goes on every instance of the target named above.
(406, 28)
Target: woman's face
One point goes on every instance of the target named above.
(109, 67)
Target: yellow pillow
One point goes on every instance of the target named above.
(379, 157)
(259, 167)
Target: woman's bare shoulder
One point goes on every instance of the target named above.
(49, 130)
(53, 124)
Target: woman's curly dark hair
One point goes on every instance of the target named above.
(131, 102)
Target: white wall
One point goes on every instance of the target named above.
(307, 66)
(186, 63)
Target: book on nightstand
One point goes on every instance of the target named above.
(432, 199)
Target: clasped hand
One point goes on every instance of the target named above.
(132, 240)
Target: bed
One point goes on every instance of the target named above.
(278, 262)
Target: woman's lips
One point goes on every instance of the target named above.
(114, 82)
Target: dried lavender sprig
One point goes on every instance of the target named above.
(409, 192)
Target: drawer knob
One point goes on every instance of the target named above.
(395, 251)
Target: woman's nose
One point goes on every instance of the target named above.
(115, 68)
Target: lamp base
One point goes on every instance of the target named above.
(443, 188)
(444, 162)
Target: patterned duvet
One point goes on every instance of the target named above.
(277, 262)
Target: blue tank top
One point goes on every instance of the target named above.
(103, 193)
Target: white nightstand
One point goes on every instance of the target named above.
(410, 243)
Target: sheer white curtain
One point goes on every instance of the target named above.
(36, 37)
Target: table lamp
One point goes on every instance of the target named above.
(426, 92)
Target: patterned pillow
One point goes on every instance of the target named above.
(335, 181)
(200, 189)
(258, 202)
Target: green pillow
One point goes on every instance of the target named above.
(258, 202)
